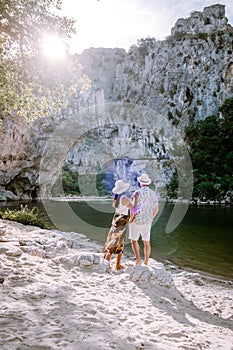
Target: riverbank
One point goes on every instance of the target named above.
(9, 197)
(58, 293)
(80, 198)
(162, 200)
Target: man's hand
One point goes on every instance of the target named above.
(155, 211)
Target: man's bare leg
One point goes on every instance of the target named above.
(136, 249)
(147, 250)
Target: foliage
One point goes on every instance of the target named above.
(172, 186)
(211, 150)
(103, 182)
(69, 182)
(31, 85)
(143, 46)
(25, 216)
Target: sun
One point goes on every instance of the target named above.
(53, 47)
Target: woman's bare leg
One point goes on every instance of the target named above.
(118, 262)
(108, 257)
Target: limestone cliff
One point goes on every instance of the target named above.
(158, 88)
(185, 77)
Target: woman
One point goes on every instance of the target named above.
(116, 236)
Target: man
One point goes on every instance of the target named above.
(142, 215)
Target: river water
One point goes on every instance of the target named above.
(203, 241)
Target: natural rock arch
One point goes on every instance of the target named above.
(74, 129)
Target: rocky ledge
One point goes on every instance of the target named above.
(67, 249)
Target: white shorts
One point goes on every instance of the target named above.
(136, 230)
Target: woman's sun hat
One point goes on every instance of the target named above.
(120, 187)
(144, 179)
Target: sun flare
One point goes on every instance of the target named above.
(53, 47)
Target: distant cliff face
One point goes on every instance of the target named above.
(183, 78)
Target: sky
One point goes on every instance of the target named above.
(120, 23)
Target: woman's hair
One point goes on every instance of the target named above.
(116, 200)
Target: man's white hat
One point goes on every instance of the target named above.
(144, 179)
(120, 187)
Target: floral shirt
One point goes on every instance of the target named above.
(145, 200)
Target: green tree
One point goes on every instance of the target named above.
(102, 183)
(30, 84)
(69, 183)
(211, 149)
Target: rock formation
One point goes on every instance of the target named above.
(167, 83)
(210, 20)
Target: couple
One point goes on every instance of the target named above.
(143, 206)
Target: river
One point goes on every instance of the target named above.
(203, 241)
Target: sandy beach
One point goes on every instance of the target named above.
(57, 292)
